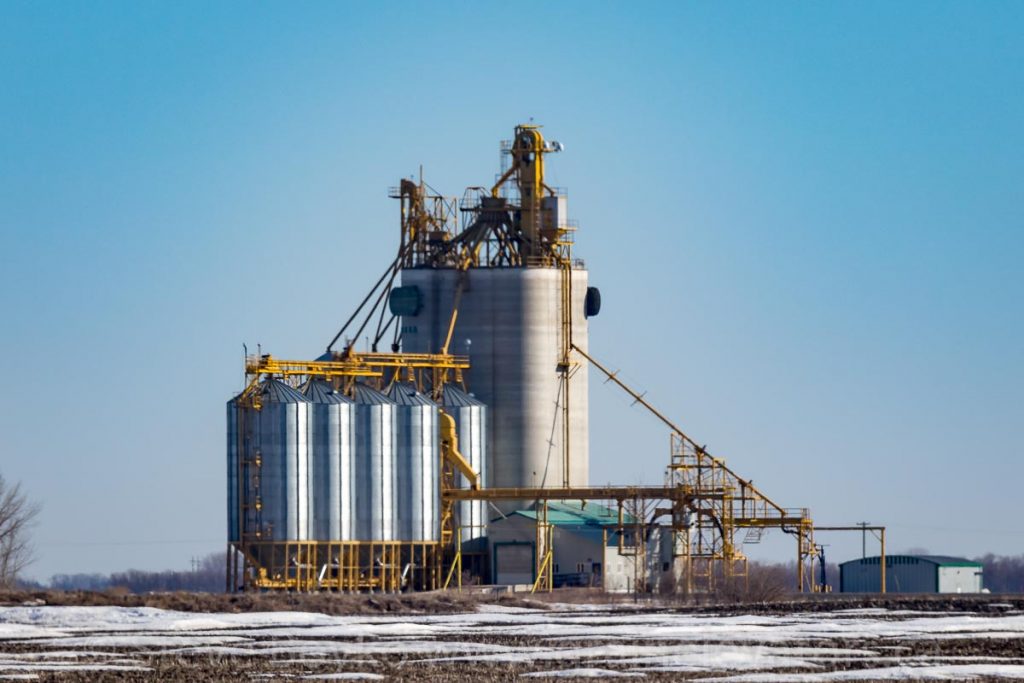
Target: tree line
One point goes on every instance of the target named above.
(1002, 574)
(208, 576)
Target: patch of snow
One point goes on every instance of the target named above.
(748, 645)
(741, 657)
(150, 618)
(72, 667)
(222, 651)
(141, 640)
(56, 654)
(307, 660)
(584, 607)
(584, 673)
(896, 673)
(25, 631)
(489, 608)
(475, 650)
(397, 629)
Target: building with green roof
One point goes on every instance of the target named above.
(581, 536)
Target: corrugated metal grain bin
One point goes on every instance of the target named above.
(375, 465)
(471, 423)
(417, 471)
(278, 434)
(234, 522)
(332, 462)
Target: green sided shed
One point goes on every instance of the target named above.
(911, 574)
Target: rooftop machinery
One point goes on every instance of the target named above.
(506, 292)
(500, 287)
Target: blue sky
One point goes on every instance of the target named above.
(805, 219)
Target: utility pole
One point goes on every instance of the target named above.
(824, 571)
(863, 539)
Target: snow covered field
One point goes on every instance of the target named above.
(506, 643)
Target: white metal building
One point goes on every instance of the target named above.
(582, 537)
(911, 574)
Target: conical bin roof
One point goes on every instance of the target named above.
(318, 391)
(406, 395)
(457, 398)
(276, 391)
(364, 395)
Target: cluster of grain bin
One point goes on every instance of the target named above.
(312, 464)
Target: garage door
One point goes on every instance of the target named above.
(513, 563)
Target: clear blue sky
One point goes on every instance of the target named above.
(805, 218)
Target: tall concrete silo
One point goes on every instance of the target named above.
(509, 325)
(506, 292)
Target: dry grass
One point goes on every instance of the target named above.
(437, 602)
(762, 595)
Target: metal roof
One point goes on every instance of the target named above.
(455, 397)
(555, 517)
(365, 395)
(276, 391)
(578, 514)
(948, 561)
(940, 560)
(406, 395)
(319, 391)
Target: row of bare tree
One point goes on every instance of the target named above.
(17, 514)
(207, 576)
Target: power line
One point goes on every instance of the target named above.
(958, 530)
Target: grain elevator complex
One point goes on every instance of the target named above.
(386, 467)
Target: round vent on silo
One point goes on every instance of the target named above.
(592, 304)
(405, 301)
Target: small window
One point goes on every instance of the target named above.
(580, 567)
(556, 567)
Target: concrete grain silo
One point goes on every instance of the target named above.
(506, 293)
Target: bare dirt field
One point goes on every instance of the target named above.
(567, 635)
